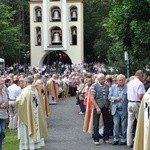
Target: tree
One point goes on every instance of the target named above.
(9, 42)
(95, 36)
(128, 25)
(21, 18)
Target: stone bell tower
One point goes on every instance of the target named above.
(56, 26)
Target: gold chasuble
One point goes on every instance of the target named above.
(47, 107)
(142, 136)
(52, 88)
(41, 86)
(31, 113)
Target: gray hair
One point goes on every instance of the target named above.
(121, 76)
(100, 75)
(28, 79)
(139, 73)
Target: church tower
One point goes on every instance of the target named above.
(56, 28)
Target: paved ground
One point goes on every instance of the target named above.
(65, 129)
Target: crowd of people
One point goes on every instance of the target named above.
(23, 107)
(110, 103)
(55, 67)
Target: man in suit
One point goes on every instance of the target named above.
(118, 98)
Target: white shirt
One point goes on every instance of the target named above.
(134, 88)
(14, 91)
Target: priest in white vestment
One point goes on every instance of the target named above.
(32, 128)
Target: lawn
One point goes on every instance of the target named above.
(11, 142)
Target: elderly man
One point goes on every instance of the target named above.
(32, 124)
(100, 101)
(118, 98)
(135, 92)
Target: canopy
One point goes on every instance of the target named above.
(2, 60)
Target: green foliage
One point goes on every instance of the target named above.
(9, 33)
(128, 25)
(96, 39)
(17, 37)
